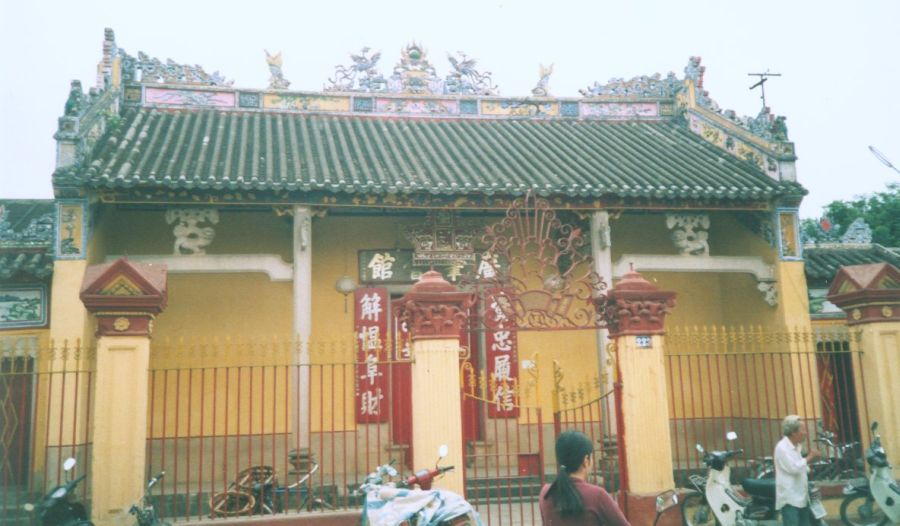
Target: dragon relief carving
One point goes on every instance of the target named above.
(689, 233)
(155, 71)
(190, 237)
(643, 86)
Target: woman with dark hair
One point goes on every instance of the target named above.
(570, 500)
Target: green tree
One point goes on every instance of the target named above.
(881, 211)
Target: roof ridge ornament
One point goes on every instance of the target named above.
(542, 89)
(277, 80)
(153, 71)
(465, 79)
(414, 73)
(640, 86)
(765, 125)
(359, 76)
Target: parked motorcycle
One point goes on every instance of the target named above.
(716, 501)
(839, 461)
(876, 500)
(144, 511)
(395, 503)
(59, 507)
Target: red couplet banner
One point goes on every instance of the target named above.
(371, 314)
(502, 356)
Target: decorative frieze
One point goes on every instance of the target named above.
(190, 237)
(769, 290)
(789, 234)
(23, 306)
(643, 86)
(689, 233)
(152, 70)
(71, 229)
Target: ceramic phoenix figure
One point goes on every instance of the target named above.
(543, 86)
(277, 80)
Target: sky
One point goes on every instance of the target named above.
(839, 61)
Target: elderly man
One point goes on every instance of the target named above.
(791, 468)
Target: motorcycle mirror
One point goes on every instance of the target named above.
(731, 435)
(68, 464)
(874, 426)
(29, 507)
(699, 448)
(666, 500)
(443, 451)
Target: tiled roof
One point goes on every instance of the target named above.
(823, 262)
(26, 237)
(228, 150)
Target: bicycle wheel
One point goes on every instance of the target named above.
(231, 503)
(695, 511)
(862, 510)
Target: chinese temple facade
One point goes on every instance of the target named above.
(291, 222)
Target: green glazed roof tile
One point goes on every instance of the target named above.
(224, 150)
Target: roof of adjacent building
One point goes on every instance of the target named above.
(822, 262)
(215, 149)
(26, 238)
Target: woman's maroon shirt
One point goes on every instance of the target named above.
(599, 508)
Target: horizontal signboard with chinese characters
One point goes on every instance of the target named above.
(389, 265)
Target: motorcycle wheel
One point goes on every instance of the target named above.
(862, 510)
(695, 511)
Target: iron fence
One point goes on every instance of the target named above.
(747, 379)
(46, 390)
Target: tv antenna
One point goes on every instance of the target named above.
(763, 77)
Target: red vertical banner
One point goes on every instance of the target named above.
(502, 355)
(401, 384)
(371, 315)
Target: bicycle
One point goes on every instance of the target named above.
(255, 491)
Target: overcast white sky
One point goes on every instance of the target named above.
(840, 61)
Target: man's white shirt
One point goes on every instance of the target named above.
(791, 484)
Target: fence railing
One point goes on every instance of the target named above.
(747, 379)
(46, 393)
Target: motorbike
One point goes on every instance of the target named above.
(400, 503)
(59, 508)
(716, 501)
(143, 510)
(876, 500)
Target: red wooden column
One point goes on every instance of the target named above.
(124, 297)
(636, 314)
(436, 313)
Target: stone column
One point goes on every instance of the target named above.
(636, 316)
(302, 332)
(871, 299)
(601, 252)
(436, 312)
(124, 297)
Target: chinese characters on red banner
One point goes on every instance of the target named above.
(371, 306)
(502, 365)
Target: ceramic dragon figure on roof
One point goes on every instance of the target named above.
(466, 79)
(360, 75)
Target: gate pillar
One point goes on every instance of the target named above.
(636, 313)
(124, 297)
(870, 296)
(436, 312)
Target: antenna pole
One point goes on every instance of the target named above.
(763, 77)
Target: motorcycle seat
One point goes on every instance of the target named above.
(764, 488)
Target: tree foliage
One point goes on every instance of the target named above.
(881, 211)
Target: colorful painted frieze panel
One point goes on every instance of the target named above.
(732, 145)
(289, 101)
(619, 109)
(183, 97)
(71, 228)
(417, 107)
(519, 108)
(23, 306)
(789, 233)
